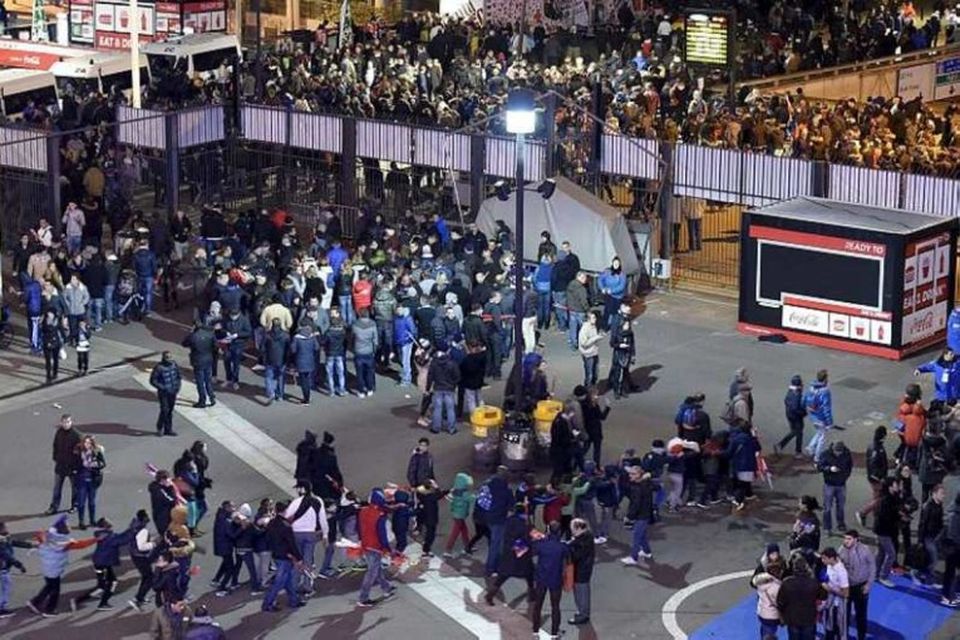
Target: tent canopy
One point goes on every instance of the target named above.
(596, 229)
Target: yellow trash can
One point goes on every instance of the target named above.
(543, 416)
(484, 418)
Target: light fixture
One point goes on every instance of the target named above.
(502, 190)
(521, 112)
(546, 188)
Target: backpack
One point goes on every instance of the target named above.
(689, 417)
(728, 415)
(484, 498)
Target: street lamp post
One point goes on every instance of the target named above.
(520, 120)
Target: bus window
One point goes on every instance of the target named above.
(211, 60)
(15, 104)
(81, 87)
(123, 80)
(160, 64)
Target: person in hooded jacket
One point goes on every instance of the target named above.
(623, 343)
(105, 557)
(582, 554)
(143, 548)
(933, 458)
(818, 403)
(767, 583)
(461, 499)
(516, 561)
(276, 343)
(223, 539)
(912, 417)
(795, 413)
(887, 527)
(306, 450)
(742, 452)
(372, 527)
(55, 545)
(305, 349)
(946, 375)
(325, 475)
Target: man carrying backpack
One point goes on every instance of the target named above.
(819, 406)
(307, 515)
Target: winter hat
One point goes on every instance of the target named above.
(796, 381)
(309, 436)
(142, 516)
(579, 391)
(60, 524)
(327, 437)
(245, 511)
(773, 547)
(657, 444)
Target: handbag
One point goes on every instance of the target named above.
(568, 576)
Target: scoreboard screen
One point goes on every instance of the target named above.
(707, 37)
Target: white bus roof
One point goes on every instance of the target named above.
(24, 54)
(20, 80)
(94, 65)
(191, 44)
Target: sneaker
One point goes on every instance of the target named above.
(258, 367)
(947, 602)
(214, 583)
(644, 554)
(738, 506)
(599, 540)
(366, 604)
(691, 504)
(48, 614)
(887, 582)
(105, 607)
(717, 501)
(700, 505)
(629, 561)
(136, 606)
(269, 608)
(753, 497)
(6, 613)
(222, 593)
(859, 517)
(255, 593)
(50, 511)
(392, 591)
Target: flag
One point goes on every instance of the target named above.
(346, 25)
(38, 27)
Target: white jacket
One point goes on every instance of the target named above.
(767, 589)
(588, 340)
(307, 523)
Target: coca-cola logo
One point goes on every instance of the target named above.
(803, 319)
(922, 323)
(31, 60)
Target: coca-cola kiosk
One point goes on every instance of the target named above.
(864, 279)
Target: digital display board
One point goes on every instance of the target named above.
(780, 274)
(707, 37)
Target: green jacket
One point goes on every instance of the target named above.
(461, 497)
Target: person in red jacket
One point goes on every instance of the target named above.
(362, 293)
(913, 418)
(372, 524)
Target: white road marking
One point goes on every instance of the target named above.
(455, 595)
(668, 614)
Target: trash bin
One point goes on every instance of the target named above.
(517, 442)
(486, 419)
(544, 414)
(486, 455)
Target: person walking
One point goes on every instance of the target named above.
(887, 526)
(950, 548)
(742, 450)
(795, 412)
(582, 554)
(142, 548)
(275, 346)
(461, 499)
(223, 548)
(372, 523)
(308, 518)
(287, 558)
(912, 417)
(76, 298)
(516, 561)
(595, 409)
(818, 402)
(551, 555)
(163, 498)
(66, 463)
(106, 556)
(835, 464)
(202, 343)
(54, 548)
(878, 466)
(861, 566)
(8, 562)
(443, 377)
(305, 350)
(797, 601)
(89, 479)
(588, 344)
(166, 379)
(928, 533)
(640, 512)
(493, 504)
(562, 442)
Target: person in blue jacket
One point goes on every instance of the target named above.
(305, 349)
(404, 337)
(742, 452)
(106, 556)
(613, 286)
(551, 554)
(541, 284)
(818, 403)
(494, 499)
(443, 232)
(146, 268)
(946, 376)
(33, 300)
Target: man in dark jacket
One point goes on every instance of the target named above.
(163, 498)
(325, 475)
(562, 442)
(105, 557)
(223, 538)
(795, 412)
(551, 554)
(305, 350)
(145, 266)
(335, 347)
(493, 501)
(582, 554)
(202, 344)
(578, 304)
(516, 561)
(835, 464)
(928, 530)
(565, 269)
(797, 601)
(166, 379)
(238, 330)
(306, 450)
(443, 376)
(887, 525)
(639, 491)
(95, 278)
(287, 558)
(66, 462)
(275, 359)
(420, 467)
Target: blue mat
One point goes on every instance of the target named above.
(908, 612)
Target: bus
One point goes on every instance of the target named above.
(98, 73)
(202, 52)
(20, 86)
(24, 54)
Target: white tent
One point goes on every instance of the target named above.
(596, 229)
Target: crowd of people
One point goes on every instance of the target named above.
(418, 301)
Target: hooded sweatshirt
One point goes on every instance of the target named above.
(372, 523)
(461, 497)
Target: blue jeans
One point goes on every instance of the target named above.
(86, 499)
(406, 373)
(573, 329)
(346, 309)
(639, 539)
(74, 244)
(35, 345)
(543, 309)
(283, 580)
(373, 576)
(96, 312)
(496, 542)
(109, 305)
(231, 362)
(366, 380)
(307, 543)
(335, 366)
(590, 366)
(443, 400)
(4, 589)
(560, 308)
(146, 290)
(819, 439)
(204, 380)
(834, 496)
(886, 555)
(58, 490)
(274, 380)
(802, 633)
(768, 627)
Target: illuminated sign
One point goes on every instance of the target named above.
(707, 37)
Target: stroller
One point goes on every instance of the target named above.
(6, 327)
(129, 301)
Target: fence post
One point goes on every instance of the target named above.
(348, 163)
(820, 179)
(478, 161)
(171, 131)
(902, 191)
(53, 180)
(663, 203)
(550, 120)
